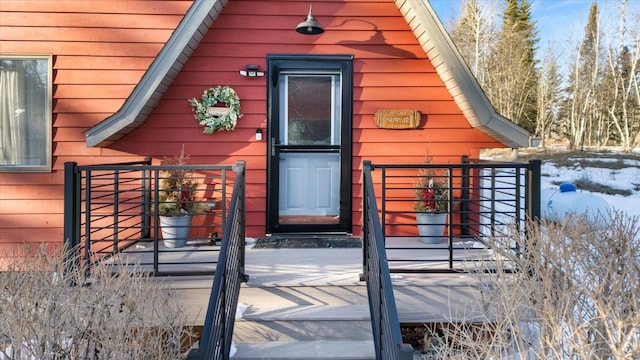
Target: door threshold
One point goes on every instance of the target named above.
(310, 242)
(314, 235)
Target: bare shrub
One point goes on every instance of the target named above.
(125, 315)
(575, 296)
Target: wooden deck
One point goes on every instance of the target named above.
(287, 272)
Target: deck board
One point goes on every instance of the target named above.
(420, 298)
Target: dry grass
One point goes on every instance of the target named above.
(127, 316)
(576, 297)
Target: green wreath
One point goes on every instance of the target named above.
(212, 120)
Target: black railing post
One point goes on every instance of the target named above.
(145, 230)
(241, 169)
(519, 194)
(116, 211)
(449, 220)
(492, 203)
(71, 238)
(533, 210)
(366, 170)
(464, 197)
(156, 223)
(534, 186)
(87, 218)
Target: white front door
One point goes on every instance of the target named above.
(309, 186)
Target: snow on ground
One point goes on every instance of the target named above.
(626, 178)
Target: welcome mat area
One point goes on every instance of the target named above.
(308, 242)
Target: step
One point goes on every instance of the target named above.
(263, 331)
(307, 350)
(305, 323)
(262, 299)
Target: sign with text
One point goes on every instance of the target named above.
(397, 119)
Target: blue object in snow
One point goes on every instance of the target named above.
(568, 187)
(557, 204)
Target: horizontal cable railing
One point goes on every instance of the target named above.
(110, 215)
(384, 316)
(476, 199)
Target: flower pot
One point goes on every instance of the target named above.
(431, 227)
(175, 230)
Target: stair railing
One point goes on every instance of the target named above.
(382, 305)
(215, 340)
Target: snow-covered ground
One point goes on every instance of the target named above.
(626, 178)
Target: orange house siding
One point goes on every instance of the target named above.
(97, 63)
(100, 50)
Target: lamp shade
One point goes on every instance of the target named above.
(309, 26)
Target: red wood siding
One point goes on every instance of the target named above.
(101, 49)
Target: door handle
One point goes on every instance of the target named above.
(273, 146)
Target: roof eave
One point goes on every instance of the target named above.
(159, 76)
(457, 76)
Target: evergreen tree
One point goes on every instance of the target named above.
(514, 86)
(503, 60)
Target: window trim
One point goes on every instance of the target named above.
(47, 166)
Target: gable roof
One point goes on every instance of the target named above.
(420, 16)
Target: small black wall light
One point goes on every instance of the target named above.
(259, 134)
(309, 26)
(251, 71)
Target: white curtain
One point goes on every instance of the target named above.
(8, 120)
(22, 120)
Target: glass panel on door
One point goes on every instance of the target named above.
(309, 110)
(309, 156)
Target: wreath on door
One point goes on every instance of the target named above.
(217, 118)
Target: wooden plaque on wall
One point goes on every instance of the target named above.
(397, 119)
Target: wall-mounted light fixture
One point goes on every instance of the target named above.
(309, 26)
(259, 134)
(251, 71)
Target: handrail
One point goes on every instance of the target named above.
(215, 341)
(485, 199)
(384, 316)
(108, 214)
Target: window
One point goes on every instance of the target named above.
(25, 113)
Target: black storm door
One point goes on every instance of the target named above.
(309, 144)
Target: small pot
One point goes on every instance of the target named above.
(175, 230)
(431, 227)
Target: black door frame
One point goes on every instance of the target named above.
(303, 62)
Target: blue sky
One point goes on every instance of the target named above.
(560, 23)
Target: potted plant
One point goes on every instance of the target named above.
(176, 201)
(431, 205)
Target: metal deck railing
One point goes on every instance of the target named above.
(109, 217)
(384, 315)
(217, 333)
(484, 199)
